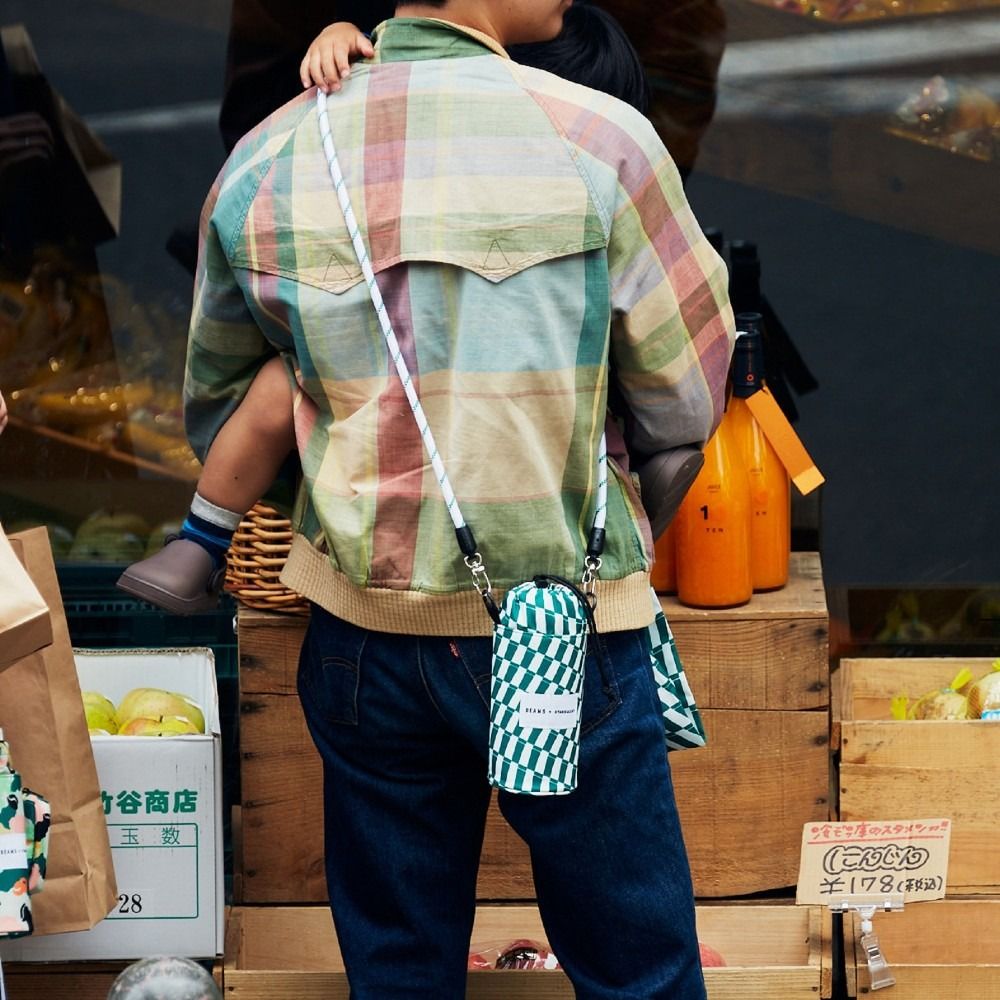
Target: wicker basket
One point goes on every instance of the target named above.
(256, 558)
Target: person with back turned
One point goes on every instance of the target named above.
(530, 237)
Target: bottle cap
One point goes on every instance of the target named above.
(748, 356)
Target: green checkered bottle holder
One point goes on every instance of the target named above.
(682, 723)
(539, 648)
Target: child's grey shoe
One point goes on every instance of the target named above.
(664, 480)
(181, 578)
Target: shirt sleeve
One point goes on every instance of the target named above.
(672, 329)
(226, 347)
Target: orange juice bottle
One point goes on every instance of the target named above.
(663, 576)
(713, 529)
(770, 486)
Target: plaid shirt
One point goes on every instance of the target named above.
(524, 230)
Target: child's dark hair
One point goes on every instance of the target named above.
(593, 50)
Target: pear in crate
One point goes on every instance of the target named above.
(164, 725)
(155, 703)
(100, 712)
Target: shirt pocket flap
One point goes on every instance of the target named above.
(487, 238)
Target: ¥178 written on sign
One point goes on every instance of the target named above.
(874, 857)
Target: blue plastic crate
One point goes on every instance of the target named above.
(102, 617)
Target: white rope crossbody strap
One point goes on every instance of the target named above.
(463, 532)
(383, 315)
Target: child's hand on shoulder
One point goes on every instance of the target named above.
(327, 62)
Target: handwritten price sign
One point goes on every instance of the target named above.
(874, 857)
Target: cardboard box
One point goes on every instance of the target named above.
(771, 951)
(163, 802)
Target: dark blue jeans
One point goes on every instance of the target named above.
(401, 724)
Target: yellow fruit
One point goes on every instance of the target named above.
(100, 722)
(156, 703)
(173, 725)
(94, 699)
(100, 713)
(169, 725)
(110, 522)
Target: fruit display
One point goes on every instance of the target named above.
(107, 535)
(521, 954)
(932, 616)
(963, 698)
(942, 703)
(143, 712)
(79, 355)
(984, 695)
(953, 115)
(525, 954)
(51, 322)
(868, 10)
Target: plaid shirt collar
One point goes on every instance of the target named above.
(411, 39)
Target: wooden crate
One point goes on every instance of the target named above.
(281, 780)
(945, 950)
(760, 673)
(291, 953)
(66, 980)
(770, 654)
(891, 769)
(744, 798)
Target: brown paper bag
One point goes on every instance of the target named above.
(41, 714)
(24, 617)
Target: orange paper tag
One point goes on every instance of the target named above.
(785, 441)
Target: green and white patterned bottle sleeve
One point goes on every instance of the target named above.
(538, 661)
(682, 723)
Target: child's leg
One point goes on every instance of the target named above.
(252, 445)
(186, 575)
(242, 462)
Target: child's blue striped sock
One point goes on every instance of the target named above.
(211, 527)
